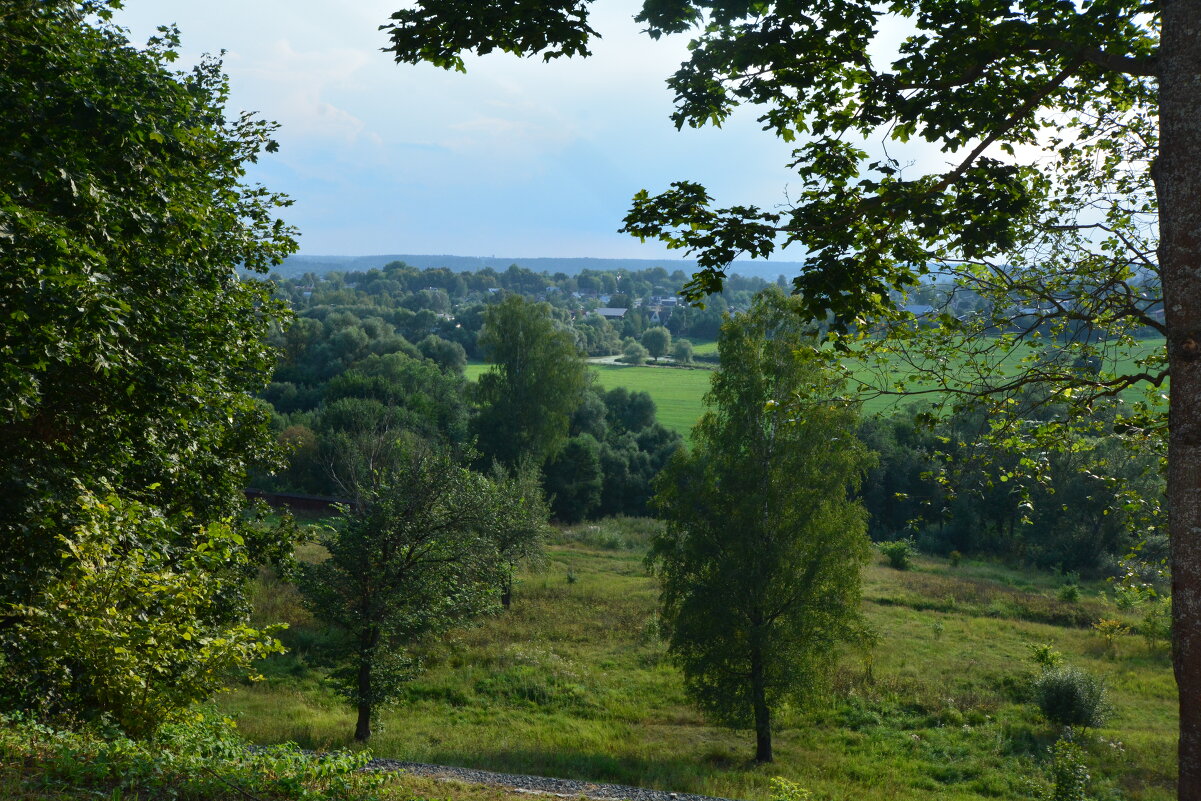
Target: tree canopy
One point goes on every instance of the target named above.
(535, 385)
(764, 544)
(1056, 118)
(130, 345)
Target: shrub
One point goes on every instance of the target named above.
(1069, 593)
(1069, 696)
(1156, 625)
(1111, 631)
(137, 634)
(1069, 776)
(784, 790)
(1045, 656)
(899, 553)
(633, 353)
(199, 758)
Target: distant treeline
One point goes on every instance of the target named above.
(387, 347)
(298, 265)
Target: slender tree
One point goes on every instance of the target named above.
(537, 381)
(519, 523)
(761, 556)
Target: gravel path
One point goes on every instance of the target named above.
(566, 788)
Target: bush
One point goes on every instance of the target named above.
(1156, 626)
(1069, 696)
(1069, 776)
(1069, 593)
(1045, 656)
(1111, 631)
(784, 790)
(137, 634)
(199, 758)
(899, 553)
(633, 353)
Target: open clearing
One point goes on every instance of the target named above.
(573, 682)
(678, 393)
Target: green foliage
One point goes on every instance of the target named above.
(518, 527)
(134, 625)
(657, 341)
(574, 479)
(955, 558)
(784, 790)
(200, 757)
(759, 563)
(1111, 630)
(1068, 593)
(1068, 773)
(899, 553)
(411, 558)
(1069, 696)
(1156, 624)
(130, 344)
(681, 351)
(1045, 656)
(633, 353)
(129, 351)
(536, 382)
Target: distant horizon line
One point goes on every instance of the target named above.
(681, 260)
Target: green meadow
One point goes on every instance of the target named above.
(574, 682)
(678, 392)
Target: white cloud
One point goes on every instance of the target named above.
(300, 85)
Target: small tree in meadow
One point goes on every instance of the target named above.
(681, 351)
(519, 523)
(412, 557)
(759, 562)
(657, 341)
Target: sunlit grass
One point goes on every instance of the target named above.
(573, 682)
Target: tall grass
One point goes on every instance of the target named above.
(573, 681)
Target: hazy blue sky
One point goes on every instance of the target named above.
(515, 158)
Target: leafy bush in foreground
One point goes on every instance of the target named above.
(136, 624)
(202, 758)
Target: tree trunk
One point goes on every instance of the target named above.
(362, 728)
(1177, 176)
(506, 591)
(762, 712)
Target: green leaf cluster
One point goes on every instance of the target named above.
(759, 563)
(135, 625)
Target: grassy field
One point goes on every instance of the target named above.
(678, 393)
(573, 682)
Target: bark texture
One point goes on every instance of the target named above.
(362, 726)
(762, 711)
(1178, 185)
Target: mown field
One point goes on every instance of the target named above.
(678, 393)
(574, 682)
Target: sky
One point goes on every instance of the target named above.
(516, 157)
